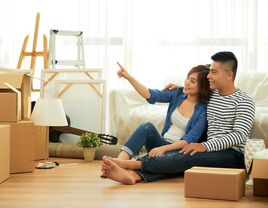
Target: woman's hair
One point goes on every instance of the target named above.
(203, 83)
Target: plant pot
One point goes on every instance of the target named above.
(89, 154)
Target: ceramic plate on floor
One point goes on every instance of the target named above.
(46, 165)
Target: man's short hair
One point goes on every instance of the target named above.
(227, 58)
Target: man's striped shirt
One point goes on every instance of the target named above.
(230, 119)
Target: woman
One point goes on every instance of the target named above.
(186, 116)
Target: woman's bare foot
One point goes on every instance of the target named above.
(121, 163)
(124, 155)
(116, 173)
(102, 175)
(125, 164)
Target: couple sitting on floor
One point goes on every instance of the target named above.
(209, 104)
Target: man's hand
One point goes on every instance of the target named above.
(171, 87)
(157, 152)
(193, 148)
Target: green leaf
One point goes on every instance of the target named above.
(89, 140)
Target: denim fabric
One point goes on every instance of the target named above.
(146, 134)
(175, 163)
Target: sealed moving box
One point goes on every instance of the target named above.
(22, 136)
(4, 152)
(214, 183)
(260, 177)
(19, 80)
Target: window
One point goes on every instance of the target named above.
(152, 38)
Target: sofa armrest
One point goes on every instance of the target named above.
(260, 124)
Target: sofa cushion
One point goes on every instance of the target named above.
(255, 84)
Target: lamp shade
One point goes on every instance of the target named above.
(49, 112)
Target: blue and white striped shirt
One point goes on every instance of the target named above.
(230, 120)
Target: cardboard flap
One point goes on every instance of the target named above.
(260, 168)
(13, 78)
(12, 88)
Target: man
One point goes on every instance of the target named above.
(230, 114)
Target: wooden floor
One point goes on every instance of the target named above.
(76, 183)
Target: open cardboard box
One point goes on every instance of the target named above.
(214, 183)
(11, 79)
(260, 177)
(10, 100)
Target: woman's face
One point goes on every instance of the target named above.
(191, 84)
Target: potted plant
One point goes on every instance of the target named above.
(89, 141)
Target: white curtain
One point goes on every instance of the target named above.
(152, 38)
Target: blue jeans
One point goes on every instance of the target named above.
(146, 134)
(174, 163)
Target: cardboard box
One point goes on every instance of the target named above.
(22, 136)
(19, 80)
(4, 152)
(260, 177)
(41, 143)
(10, 100)
(214, 183)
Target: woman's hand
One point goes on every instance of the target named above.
(122, 72)
(141, 89)
(171, 87)
(157, 152)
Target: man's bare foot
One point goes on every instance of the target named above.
(116, 173)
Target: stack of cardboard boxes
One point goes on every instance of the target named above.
(21, 141)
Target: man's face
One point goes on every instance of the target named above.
(218, 75)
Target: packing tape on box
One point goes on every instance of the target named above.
(252, 146)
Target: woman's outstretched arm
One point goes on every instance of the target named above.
(140, 88)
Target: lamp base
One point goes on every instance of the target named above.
(46, 165)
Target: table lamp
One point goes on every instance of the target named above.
(48, 112)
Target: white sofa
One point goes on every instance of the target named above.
(128, 109)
